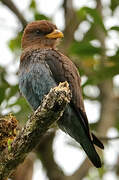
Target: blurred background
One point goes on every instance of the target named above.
(91, 40)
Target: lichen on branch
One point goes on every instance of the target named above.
(49, 112)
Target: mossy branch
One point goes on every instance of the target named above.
(50, 111)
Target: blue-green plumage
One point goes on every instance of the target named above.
(35, 80)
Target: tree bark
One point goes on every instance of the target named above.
(15, 10)
(25, 170)
(49, 112)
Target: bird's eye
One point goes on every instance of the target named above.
(42, 33)
(38, 31)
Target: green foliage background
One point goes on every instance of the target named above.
(93, 62)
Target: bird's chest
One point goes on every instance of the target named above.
(35, 81)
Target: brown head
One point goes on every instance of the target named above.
(40, 34)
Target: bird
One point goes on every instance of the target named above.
(43, 67)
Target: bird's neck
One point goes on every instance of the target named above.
(39, 44)
(35, 47)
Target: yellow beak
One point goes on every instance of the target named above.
(55, 34)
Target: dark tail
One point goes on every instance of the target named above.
(74, 127)
(97, 142)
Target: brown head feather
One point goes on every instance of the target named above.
(34, 35)
(43, 25)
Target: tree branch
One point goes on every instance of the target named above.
(81, 172)
(70, 25)
(108, 138)
(25, 170)
(15, 10)
(49, 112)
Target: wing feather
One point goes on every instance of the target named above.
(64, 70)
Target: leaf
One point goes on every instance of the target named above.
(102, 74)
(13, 90)
(25, 111)
(101, 171)
(84, 49)
(116, 28)
(117, 121)
(95, 15)
(81, 14)
(2, 94)
(114, 4)
(15, 43)
(115, 58)
(32, 5)
(90, 34)
(38, 16)
(3, 84)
